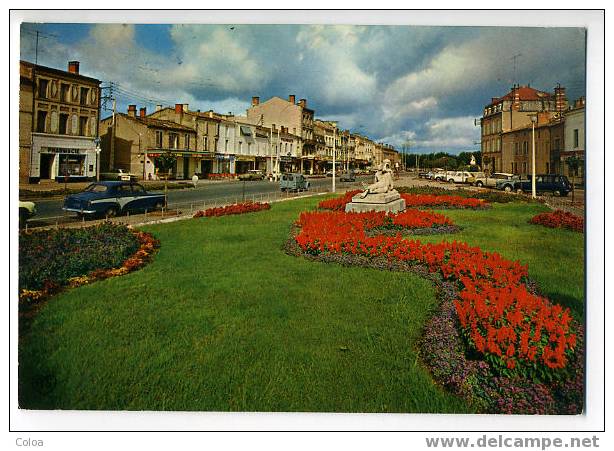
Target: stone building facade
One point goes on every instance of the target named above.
(132, 142)
(206, 125)
(295, 117)
(513, 111)
(59, 113)
(574, 139)
(517, 147)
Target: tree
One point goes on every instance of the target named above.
(165, 162)
(573, 164)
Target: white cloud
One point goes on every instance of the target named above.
(390, 83)
(450, 133)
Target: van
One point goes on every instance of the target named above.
(293, 182)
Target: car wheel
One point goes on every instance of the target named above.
(111, 212)
(479, 184)
(519, 191)
(507, 189)
(451, 181)
(159, 205)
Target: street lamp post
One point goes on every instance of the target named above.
(97, 150)
(334, 152)
(533, 187)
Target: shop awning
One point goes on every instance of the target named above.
(245, 158)
(178, 153)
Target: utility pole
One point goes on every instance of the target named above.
(533, 187)
(112, 153)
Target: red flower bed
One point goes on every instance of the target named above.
(411, 201)
(236, 209)
(512, 328)
(430, 200)
(338, 203)
(559, 219)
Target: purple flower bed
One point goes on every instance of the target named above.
(445, 353)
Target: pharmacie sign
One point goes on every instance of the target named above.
(56, 150)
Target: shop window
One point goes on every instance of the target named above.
(63, 130)
(41, 119)
(83, 97)
(71, 164)
(42, 88)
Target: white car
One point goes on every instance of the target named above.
(26, 211)
(491, 180)
(119, 175)
(442, 176)
(459, 176)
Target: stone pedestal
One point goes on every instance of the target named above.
(389, 202)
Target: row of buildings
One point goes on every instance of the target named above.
(61, 134)
(507, 127)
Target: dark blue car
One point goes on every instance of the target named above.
(113, 198)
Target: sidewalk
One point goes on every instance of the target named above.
(49, 188)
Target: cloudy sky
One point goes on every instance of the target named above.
(396, 84)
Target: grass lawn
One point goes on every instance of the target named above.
(223, 320)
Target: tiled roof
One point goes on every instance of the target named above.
(158, 123)
(524, 93)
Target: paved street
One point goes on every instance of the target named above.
(222, 191)
(207, 194)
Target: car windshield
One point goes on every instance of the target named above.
(95, 188)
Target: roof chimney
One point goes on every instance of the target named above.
(292, 99)
(132, 110)
(255, 100)
(179, 108)
(158, 107)
(303, 103)
(73, 67)
(560, 98)
(143, 112)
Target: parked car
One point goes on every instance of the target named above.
(422, 174)
(349, 176)
(459, 177)
(443, 176)
(26, 211)
(555, 184)
(492, 179)
(293, 182)
(118, 174)
(113, 198)
(252, 174)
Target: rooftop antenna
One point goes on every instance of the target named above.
(514, 59)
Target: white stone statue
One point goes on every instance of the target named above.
(383, 181)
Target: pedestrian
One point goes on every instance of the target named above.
(195, 180)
